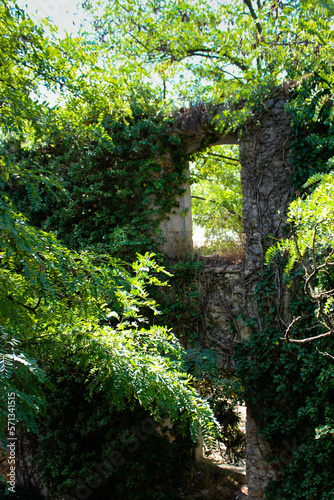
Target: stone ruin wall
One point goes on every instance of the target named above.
(223, 303)
(177, 227)
(266, 186)
(267, 189)
(228, 292)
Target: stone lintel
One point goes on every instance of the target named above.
(195, 143)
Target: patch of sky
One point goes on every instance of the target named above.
(67, 15)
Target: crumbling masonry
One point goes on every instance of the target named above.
(265, 176)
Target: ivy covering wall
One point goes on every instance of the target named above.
(289, 387)
(118, 183)
(78, 319)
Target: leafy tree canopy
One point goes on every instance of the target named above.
(218, 49)
(216, 194)
(57, 303)
(226, 52)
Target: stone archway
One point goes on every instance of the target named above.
(264, 146)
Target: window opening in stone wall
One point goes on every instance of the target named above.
(216, 199)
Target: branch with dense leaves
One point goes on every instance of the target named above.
(311, 246)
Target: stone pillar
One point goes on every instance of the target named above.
(259, 471)
(265, 178)
(267, 189)
(177, 228)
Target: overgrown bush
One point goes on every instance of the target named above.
(87, 444)
(289, 389)
(121, 177)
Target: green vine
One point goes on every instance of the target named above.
(289, 389)
(122, 179)
(180, 303)
(311, 111)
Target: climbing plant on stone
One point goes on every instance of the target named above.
(57, 302)
(119, 186)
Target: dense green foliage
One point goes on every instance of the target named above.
(294, 402)
(116, 191)
(289, 389)
(312, 124)
(293, 363)
(73, 327)
(181, 304)
(216, 194)
(58, 304)
(112, 452)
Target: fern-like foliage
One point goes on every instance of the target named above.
(312, 223)
(311, 246)
(56, 303)
(318, 177)
(275, 250)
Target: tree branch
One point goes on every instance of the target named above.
(287, 333)
(224, 157)
(326, 354)
(311, 339)
(232, 212)
(32, 309)
(231, 59)
(254, 16)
